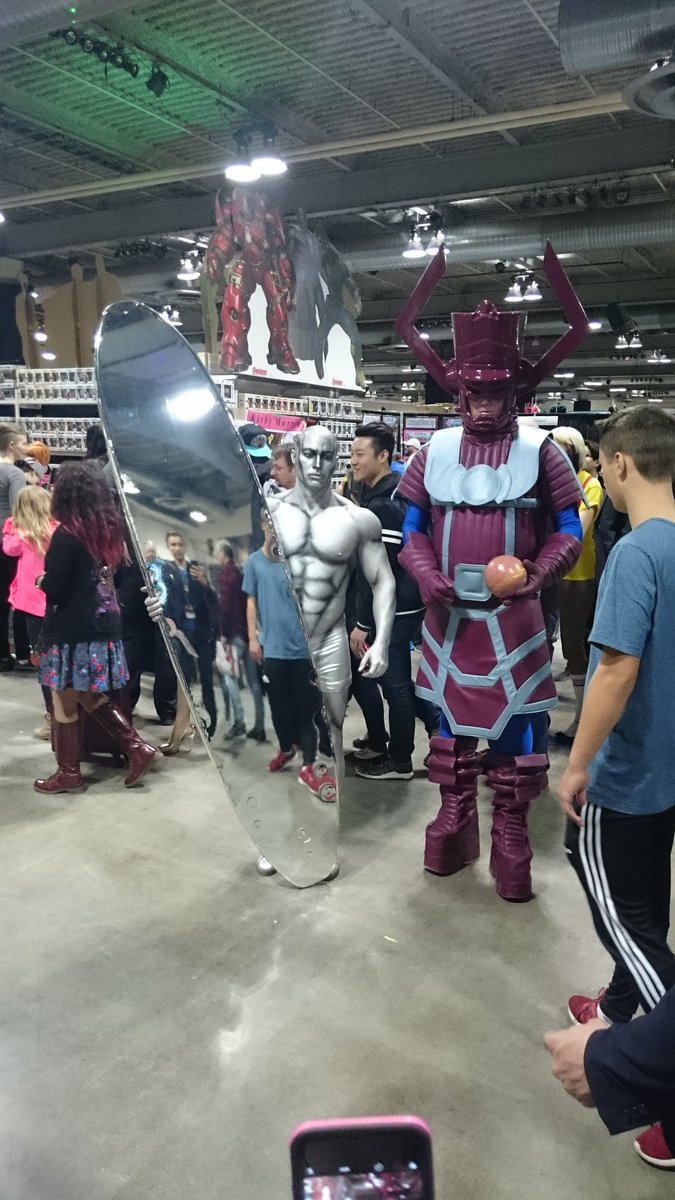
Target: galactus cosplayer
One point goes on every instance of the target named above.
(247, 249)
(488, 488)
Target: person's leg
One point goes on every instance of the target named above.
(255, 686)
(21, 639)
(7, 572)
(105, 712)
(44, 732)
(369, 699)
(281, 706)
(452, 838)
(617, 859)
(206, 652)
(429, 714)
(164, 691)
(135, 652)
(399, 692)
(306, 699)
(232, 698)
(517, 776)
(576, 602)
(67, 777)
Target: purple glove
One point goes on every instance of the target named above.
(555, 559)
(419, 559)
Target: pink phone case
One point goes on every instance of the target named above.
(390, 1122)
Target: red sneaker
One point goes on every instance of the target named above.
(280, 759)
(654, 1149)
(582, 1009)
(317, 778)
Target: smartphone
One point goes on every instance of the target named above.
(362, 1158)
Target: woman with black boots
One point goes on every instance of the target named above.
(82, 658)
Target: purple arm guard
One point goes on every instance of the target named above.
(556, 557)
(419, 559)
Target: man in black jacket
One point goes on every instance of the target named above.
(627, 1072)
(372, 451)
(200, 621)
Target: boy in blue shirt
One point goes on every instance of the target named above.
(618, 791)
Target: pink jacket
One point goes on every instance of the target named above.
(23, 594)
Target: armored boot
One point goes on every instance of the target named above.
(139, 754)
(516, 782)
(452, 839)
(67, 777)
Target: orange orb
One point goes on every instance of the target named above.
(505, 575)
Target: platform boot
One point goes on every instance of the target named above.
(452, 839)
(139, 754)
(516, 782)
(66, 744)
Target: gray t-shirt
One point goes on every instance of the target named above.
(633, 769)
(11, 482)
(281, 633)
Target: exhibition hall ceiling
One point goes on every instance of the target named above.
(379, 105)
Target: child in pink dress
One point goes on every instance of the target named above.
(26, 535)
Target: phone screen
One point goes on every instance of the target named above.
(404, 1183)
(360, 1164)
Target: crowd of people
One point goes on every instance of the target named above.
(73, 596)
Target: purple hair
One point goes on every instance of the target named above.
(85, 505)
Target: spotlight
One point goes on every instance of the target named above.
(435, 243)
(514, 294)
(174, 317)
(594, 326)
(635, 342)
(70, 37)
(414, 247)
(87, 44)
(533, 291)
(269, 162)
(242, 170)
(102, 52)
(2, 218)
(188, 269)
(158, 81)
(39, 334)
(621, 342)
(117, 57)
(424, 333)
(48, 355)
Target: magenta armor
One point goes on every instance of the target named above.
(490, 488)
(247, 249)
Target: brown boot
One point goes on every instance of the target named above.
(138, 752)
(67, 750)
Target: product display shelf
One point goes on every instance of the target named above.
(341, 415)
(43, 400)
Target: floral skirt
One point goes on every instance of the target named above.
(86, 667)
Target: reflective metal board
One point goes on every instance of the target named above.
(181, 467)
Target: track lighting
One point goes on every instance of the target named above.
(113, 56)
(635, 342)
(621, 342)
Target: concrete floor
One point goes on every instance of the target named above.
(168, 1016)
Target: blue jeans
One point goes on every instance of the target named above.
(230, 685)
(398, 690)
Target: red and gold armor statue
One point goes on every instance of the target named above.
(249, 249)
(484, 489)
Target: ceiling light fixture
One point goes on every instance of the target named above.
(514, 294)
(414, 247)
(621, 342)
(269, 163)
(48, 355)
(158, 81)
(40, 334)
(435, 243)
(188, 269)
(635, 342)
(594, 326)
(242, 169)
(2, 218)
(533, 291)
(563, 374)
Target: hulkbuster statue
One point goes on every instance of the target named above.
(482, 490)
(247, 249)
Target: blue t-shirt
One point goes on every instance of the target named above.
(633, 769)
(281, 633)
